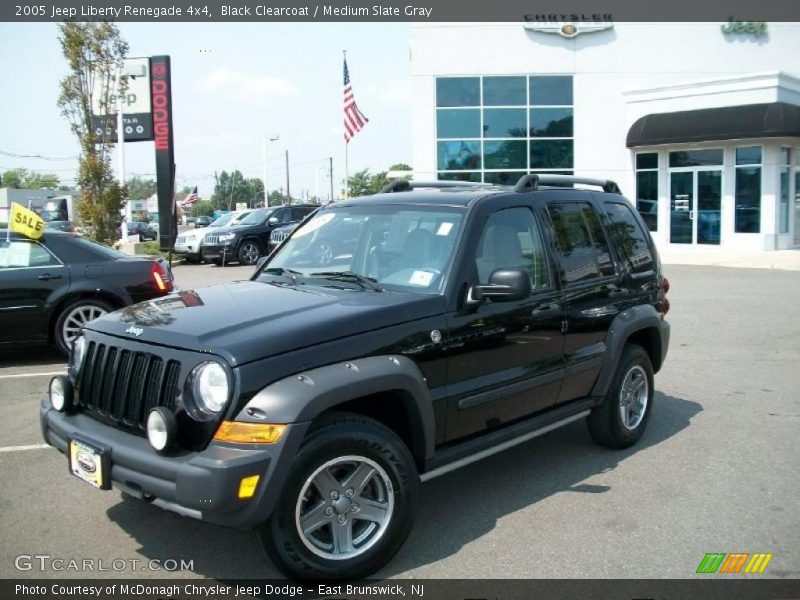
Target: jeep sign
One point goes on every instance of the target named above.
(135, 105)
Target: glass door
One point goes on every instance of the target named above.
(797, 206)
(681, 202)
(709, 201)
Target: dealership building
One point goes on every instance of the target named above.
(698, 123)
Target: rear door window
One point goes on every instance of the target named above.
(629, 237)
(580, 241)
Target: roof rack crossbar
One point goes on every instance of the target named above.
(404, 185)
(531, 182)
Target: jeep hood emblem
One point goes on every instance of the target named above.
(134, 330)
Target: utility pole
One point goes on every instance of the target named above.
(288, 193)
(330, 174)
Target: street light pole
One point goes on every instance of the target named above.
(269, 137)
(121, 155)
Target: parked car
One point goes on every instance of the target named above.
(51, 287)
(189, 243)
(311, 401)
(248, 241)
(60, 226)
(139, 230)
(202, 221)
(279, 234)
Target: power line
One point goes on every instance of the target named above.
(36, 156)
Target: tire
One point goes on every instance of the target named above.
(630, 394)
(75, 315)
(249, 252)
(340, 446)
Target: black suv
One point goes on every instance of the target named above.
(310, 401)
(248, 240)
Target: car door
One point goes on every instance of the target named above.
(29, 275)
(591, 289)
(505, 358)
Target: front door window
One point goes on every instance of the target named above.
(681, 204)
(695, 206)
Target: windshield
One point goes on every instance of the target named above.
(402, 248)
(223, 220)
(256, 217)
(239, 217)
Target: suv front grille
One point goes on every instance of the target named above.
(122, 385)
(211, 239)
(278, 236)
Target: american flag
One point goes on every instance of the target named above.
(354, 119)
(190, 198)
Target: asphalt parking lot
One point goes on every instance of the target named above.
(715, 472)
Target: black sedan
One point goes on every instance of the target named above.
(51, 287)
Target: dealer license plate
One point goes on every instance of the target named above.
(88, 463)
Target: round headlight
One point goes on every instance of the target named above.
(76, 356)
(161, 428)
(210, 388)
(60, 393)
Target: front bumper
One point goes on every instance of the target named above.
(202, 484)
(188, 249)
(219, 252)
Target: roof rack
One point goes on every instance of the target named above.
(530, 183)
(404, 185)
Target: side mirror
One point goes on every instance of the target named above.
(261, 262)
(505, 285)
(272, 220)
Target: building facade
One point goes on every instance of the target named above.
(698, 123)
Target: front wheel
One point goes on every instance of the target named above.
(348, 503)
(621, 419)
(74, 317)
(249, 252)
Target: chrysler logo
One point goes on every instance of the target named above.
(133, 330)
(569, 29)
(86, 462)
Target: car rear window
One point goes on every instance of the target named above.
(582, 245)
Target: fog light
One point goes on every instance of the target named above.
(61, 393)
(247, 487)
(161, 428)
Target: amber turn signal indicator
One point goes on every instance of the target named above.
(247, 486)
(249, 433)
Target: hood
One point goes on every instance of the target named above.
(249, 320)
(230, 228)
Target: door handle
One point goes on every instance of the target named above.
(48, 277)
(691, 215)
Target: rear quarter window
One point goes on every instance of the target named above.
(631, 240)
(581, 243)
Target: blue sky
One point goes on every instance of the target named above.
(231, 84)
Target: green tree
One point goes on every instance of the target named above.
(95, 53)
(232, 188)
(363, 183)
(25, 179)
(139, 188)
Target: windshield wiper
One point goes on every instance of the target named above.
(351, 277)
(293, 275)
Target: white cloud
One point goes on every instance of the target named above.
(252, 88)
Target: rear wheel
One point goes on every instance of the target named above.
(73, 317)
(621, 419)
(347, 505)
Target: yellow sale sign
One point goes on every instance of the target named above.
(26, 221)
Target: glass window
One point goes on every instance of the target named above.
(647, 160)
(459, 155)
(695, 158)
(551, 90)
(748, 200)
(511, 240)
(783, 201)
(24, 253)
(551, 122)
(582, 245)
(551, 154)
(750, 155)
(504, 91)
(458, 91)
(631, 240)
(458, 123)
(504, 122)
(503, 177)
(461, 176)
(257, 217)
(509, 154)
(299, 213)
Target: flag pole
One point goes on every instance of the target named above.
(346, 145)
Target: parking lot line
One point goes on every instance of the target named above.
(20, 448)
(48, 373)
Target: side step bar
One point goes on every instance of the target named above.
(489, 444)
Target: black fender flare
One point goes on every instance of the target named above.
(304, 396)
(625, 324)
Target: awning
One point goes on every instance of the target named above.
(775, 119)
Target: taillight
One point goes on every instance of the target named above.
(161, 277)
(663, 303)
